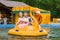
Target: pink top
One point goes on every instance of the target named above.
(23, 22)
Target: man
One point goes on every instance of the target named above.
(1, 19)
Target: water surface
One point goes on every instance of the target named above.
(54, 34)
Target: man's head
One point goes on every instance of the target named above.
(25, 14)
(0, 14)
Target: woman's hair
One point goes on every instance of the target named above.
(20, 14)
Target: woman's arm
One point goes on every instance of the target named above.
(18, 21)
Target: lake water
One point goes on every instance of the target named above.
(54, 34)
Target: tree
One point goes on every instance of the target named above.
(51, 5)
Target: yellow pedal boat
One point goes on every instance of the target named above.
(33, 30)
(28, 32)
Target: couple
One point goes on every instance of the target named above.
(23, 20)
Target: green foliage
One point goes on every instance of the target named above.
(51, 5)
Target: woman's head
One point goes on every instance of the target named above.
(20, 14)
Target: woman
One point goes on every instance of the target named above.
(20, 22)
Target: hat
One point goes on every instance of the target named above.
(38, 12)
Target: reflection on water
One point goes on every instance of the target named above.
(54, 34)
(25, 38)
